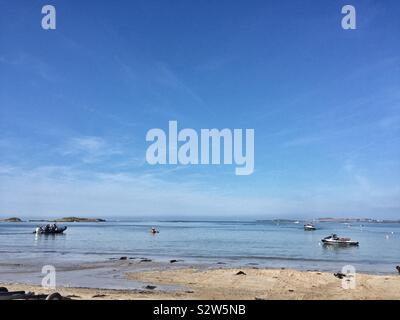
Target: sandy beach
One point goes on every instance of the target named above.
(225, 283)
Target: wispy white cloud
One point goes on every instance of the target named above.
(165, 76)
(302, 141)
(30, 63)
(87, 144)
(112, 117)
(56, 191)
(89, 148)
(369, 194)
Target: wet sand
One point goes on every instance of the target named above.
(224, 283)
(273, 284)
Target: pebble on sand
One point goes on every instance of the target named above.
(149, 287)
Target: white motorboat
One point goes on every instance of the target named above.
(335, 240)
(309, 227)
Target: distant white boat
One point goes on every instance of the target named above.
(296, 222)
(309, 227)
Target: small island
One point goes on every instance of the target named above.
(77, 219)
(13, 219)
(355, 220)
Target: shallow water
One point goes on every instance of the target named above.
(236, 243)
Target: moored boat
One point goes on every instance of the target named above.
(309, 227)
(50, 229)
(335, 240)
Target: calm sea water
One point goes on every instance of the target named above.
(258, 243)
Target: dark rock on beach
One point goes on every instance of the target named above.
(149, 287)
(174, 260)
(241, 273)
(339, 275)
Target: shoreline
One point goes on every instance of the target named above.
(182, 281)
(22, 265)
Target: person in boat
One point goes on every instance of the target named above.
(153, 230)
(48, 228)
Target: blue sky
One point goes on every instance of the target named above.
(76, 103)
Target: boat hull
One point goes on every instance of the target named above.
(340, 243)
(59, 231)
